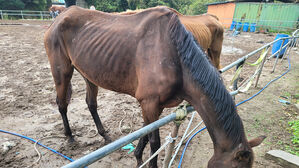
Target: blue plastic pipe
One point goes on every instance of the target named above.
(30, 139)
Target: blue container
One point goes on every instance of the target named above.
(232, 26)
(245, 27)
(239, 26)
(252, 27)
(276, 45)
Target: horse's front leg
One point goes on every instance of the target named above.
(139, 150)
(154, 139)
(151, 112)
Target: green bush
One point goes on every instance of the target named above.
(294, 130)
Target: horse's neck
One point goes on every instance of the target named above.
(206, 110)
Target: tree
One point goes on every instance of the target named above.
(122, 5)
(49, 4)
(69, 3)
(12, 5)
(35, 4)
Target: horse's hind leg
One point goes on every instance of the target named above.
(62, 72)
(91, 101)
(215, 49)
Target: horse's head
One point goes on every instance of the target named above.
(240, 157)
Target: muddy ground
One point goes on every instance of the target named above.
(27, 105)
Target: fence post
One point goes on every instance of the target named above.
(235, 85)
(170, 148)
(41, 15)
(261, 68)
(1, 14)
(22, 15)
(277, 56)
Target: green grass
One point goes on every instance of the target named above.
(294, 130)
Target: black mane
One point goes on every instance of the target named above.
(207, 78)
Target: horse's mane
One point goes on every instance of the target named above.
(207, 78)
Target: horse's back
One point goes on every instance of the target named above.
(103, 46)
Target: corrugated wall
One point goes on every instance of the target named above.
(274, 16)
(224, 12)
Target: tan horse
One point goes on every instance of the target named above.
(56, 10)
(151, 57)
(206, 29)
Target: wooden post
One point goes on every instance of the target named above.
(170, 147)
(288, 48)
(261, 68)
(235, 85)
(41, 15)
(1, 14)
(277, 56)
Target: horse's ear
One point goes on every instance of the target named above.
(256, 141)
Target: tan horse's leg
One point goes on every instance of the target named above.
(150, 111)
(91, 101)
(62, 72)
(215, 48)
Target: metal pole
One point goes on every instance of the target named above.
(249, 55)
(277, 56)
(170, 148)
(278, 51)
(106, 150)
(287, 51)
(102, 152)
(260, 69)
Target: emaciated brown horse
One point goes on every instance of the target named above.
(206, 29)
(151, 57)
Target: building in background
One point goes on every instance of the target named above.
(266, 16)
(224, 11)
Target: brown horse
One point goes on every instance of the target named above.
(206, 29)
(151, 57)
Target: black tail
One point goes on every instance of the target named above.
(206, 76)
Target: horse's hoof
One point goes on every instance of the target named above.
(107, 140)
(139, 163)
(71, 140)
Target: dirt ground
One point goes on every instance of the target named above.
(27, 105)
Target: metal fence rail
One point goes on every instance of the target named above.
(106, 150)
(20, 14)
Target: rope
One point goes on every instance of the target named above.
(181, 142)
(30, 139)
(35, 148)
(289, 68)
(190, 132)
(169, 140)
(181, 160)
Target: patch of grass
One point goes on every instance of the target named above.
(287, 94)
(294, 130)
